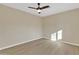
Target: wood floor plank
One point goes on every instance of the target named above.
(42, 47)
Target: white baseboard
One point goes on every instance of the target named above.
(70, 43)
(18, 43)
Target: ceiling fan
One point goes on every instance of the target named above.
(39, 9)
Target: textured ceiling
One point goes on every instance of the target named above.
(54, 7)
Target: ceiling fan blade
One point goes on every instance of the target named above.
(32, 7)
(44, 7)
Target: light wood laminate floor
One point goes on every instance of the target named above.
(42, 47)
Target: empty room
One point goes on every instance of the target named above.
(39, 28)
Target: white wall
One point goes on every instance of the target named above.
(68, 21)
(17, 26)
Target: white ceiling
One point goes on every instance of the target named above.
(54, 7)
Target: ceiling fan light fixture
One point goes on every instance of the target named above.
(38, 10)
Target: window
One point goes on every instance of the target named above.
(59, 35)
(53, 37)
(56, 36)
